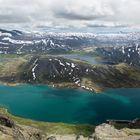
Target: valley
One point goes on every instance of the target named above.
(43, 75)
(69, 70)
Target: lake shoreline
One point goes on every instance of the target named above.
(42, 99)
(51, 127)
(67, 85)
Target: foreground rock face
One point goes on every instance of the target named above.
(10, 130)
(108, 132)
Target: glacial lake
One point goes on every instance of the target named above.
(43, 103)
(86, 58)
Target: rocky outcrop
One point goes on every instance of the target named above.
(6, 121)
(9, 130)
(109, 132)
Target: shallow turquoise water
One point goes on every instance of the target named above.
(39, 102)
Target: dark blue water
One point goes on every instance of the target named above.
(70, 106)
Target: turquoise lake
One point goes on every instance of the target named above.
(40, 102)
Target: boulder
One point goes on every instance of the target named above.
(6, 121)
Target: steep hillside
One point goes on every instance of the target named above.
(60, 72)
(123, 54)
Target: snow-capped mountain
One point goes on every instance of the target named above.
(66, 41)
(117, 47)
(19, 43)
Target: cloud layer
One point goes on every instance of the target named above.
(70, 13)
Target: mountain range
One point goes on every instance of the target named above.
(119, 47)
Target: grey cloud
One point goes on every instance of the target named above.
(13, 19)
(106, 25)
(69, 13)
(95, 25)
(83, 10)
(75, 16)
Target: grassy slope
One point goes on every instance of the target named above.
(52, 128)
(10, 63)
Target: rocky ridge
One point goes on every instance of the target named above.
(60, 72)
(109, 132)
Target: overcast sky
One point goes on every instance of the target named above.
(70, 14)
